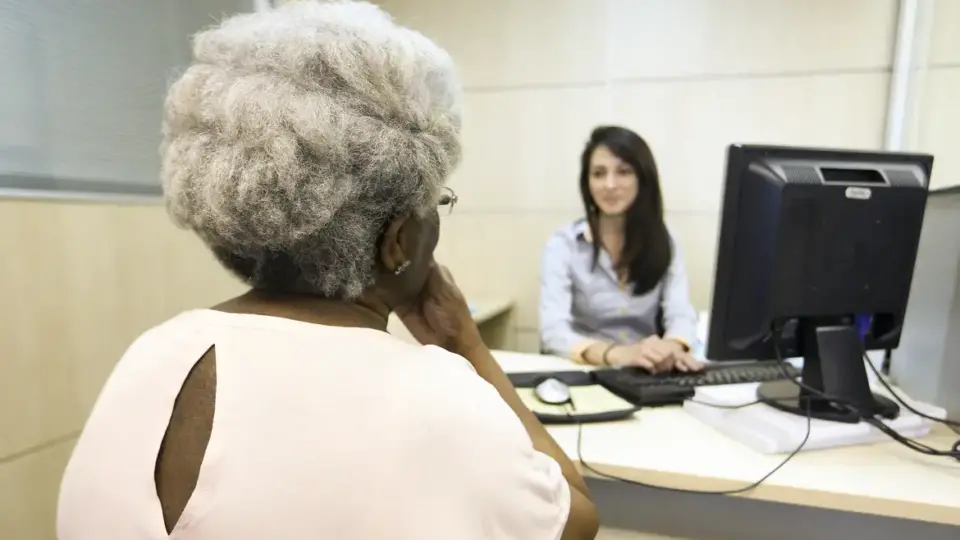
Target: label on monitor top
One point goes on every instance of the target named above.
(861, 193)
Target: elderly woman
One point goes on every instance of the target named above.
(308, 148)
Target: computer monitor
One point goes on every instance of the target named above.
(815, 259)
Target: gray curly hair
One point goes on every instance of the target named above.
(297, 134)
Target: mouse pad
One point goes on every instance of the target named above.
(592, 399)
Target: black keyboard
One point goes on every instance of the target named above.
(642, 388)
(714, 374)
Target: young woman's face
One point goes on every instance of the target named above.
(613, 182)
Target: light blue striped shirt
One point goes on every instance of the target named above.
(580, 304)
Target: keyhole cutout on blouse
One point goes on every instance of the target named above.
(185, 440)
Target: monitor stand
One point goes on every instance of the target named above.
(832, 364)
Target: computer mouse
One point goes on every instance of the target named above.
(552, 392)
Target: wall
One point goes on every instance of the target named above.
(85, 82)
(937, 121)
(691, 76)
(82, 90)
(925, 365)
(78, 283)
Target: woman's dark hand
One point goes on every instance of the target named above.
(440, 315)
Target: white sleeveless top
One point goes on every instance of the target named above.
(319, 432)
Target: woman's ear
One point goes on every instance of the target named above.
(393, 251)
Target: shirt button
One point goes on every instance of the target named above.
(624, 310)
(623, 336)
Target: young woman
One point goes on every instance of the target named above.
(613, 288)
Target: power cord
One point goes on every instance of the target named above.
(736, 491)
(728, 407)
(874, 420)
(899, 398)
(912, 444)
(836, 401)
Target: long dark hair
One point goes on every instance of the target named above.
(646, 249)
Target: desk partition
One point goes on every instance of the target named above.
(927, 363)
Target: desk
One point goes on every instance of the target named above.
(492, 317)
(666, 446)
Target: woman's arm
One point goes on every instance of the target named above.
(582, 523)
(679, 315)
(557, 335)
(440, 317)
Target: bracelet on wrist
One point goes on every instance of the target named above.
(606, 353)
(683, 345)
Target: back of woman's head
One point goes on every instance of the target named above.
(297, 133)
(647, 250)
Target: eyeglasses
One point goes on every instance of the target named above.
(448, 199)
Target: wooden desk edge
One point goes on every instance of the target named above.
(933, 513)
(488, 310)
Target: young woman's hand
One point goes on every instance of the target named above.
(659, 355)
(682, 359)
(622, 355)
(440, 315)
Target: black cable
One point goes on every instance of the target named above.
(912, 444)
(734, 407)
(835, 401)
(745, 489)
(874, 420)
(720, 406)
(902, 401)
(887, 361)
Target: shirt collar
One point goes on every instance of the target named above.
(582, 231)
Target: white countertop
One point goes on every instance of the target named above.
(666, 446)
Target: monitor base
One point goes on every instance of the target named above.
(788, 397)
(773, 431)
